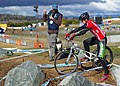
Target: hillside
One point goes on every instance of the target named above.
(5, 18)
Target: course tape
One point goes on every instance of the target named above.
(33, 50)
(58, 65)
(62, 76)
(28, 51)
(52, 66)
(3, 78)
(21, 56)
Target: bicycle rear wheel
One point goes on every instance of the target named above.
(63, 67)
(108, 57)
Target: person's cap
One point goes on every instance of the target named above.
(54, 6)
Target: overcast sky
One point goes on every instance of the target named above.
(66, 7)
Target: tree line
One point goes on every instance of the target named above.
(20, 20)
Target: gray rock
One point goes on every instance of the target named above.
(115, 70)
(76, 80)
(26, 74)
(3, 52)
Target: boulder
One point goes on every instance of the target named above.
(115, 71)
(3, 52)
(26, 74)
(76, 79)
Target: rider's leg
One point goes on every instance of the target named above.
(101, 52)
(89, 42)
(106, 71)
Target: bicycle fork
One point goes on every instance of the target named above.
(69, 56)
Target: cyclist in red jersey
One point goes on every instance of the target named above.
(99, 38)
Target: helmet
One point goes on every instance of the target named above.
(54, 6)
(84, 16)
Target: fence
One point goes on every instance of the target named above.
(113, 38)
(28, 38)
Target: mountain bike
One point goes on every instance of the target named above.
(67, 61)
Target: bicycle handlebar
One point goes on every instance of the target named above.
(70, 41)
(67, 38)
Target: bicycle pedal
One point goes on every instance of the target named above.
(96, 59)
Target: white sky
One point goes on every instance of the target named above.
(67, 10)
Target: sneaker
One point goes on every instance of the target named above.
(83, 59)
(103, 78)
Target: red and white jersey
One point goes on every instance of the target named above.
(95, 29)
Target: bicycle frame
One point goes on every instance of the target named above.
(91, 55)
(81, 51)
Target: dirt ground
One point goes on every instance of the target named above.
(42, 58)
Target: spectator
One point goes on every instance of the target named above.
(54, 21)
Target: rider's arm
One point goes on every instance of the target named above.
(81, 32)
(78, 29)
(75, 30)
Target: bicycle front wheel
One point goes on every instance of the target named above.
(63, 67)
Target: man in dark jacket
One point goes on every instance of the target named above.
(54, 19)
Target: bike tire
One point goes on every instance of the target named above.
(60, 63)
(108, 57)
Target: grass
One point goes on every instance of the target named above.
(116, 51)
(112, 33)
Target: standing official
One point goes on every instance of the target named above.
(54, 19)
